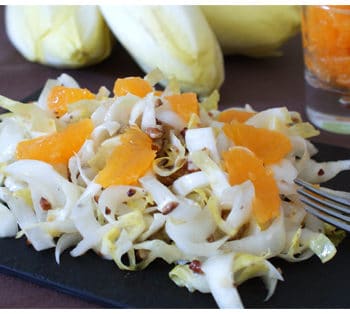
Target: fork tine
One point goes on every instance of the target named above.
(324, 201)
(328, 207)
(310, 187)
(332, 220)
(323, 207)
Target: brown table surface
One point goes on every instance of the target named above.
(262, 83)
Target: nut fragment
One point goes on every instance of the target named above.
(45, 204)
(96, 198)
(131, 192)
(108, 211)
(158, 102)
(195, 266)
(168, 208)
(154, 133)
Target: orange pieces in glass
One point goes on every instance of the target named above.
(60, 97)
(133, 85)
(57, 147)
(270, 146)
(242, 165)
(129, 161)
(326, 41)
(234, 115)
(184, 104)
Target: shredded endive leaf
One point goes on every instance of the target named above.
(178, 197)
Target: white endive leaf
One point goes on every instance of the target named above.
(35, 233)
(191, 236)
(202, 138)
(176, 39)
(216, 176)
(268, 242)
(44, 181)
(62, 36)
(11, 133)
(8, 223)
(65, 241)
(219, 275)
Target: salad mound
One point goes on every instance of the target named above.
(141, 174)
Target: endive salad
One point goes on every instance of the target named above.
(138, 174)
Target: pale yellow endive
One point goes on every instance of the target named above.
(176, 39)
(184, 42)
(60, 36)
(253, 30)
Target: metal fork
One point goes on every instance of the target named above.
(329, 207)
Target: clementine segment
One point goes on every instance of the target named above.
(133, 85)
(234, 115)
(327, 40)
(270, 146)
(184, 104)
(129, 161)
(60, 97)
(242, 165)
(57, 147)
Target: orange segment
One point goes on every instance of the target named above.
(242, 165)
(57, 147)
(184, 105)
(129, 161)
(133, 85)
(327, 41)
(60, 97)
(234, 115)
(270, 146)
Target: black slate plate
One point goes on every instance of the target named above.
(309, 284)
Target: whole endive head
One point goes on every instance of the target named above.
(175, 39)
(253, 30)
(60, 36)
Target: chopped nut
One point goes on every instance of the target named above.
(155, 147)
(211, 238)
(195, 266)
(154, 133)
(158, 102)
(183, 132)
(131, 192)
(96, 198)
(168, 208)
(45, 204)
(320, 172)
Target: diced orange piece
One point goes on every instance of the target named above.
(60, 97)
(57, 147)
(129, 161)
(184, 104)
(133, 85)
(234, 115)
(242, 165)
(326, 40)
(270, 146)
